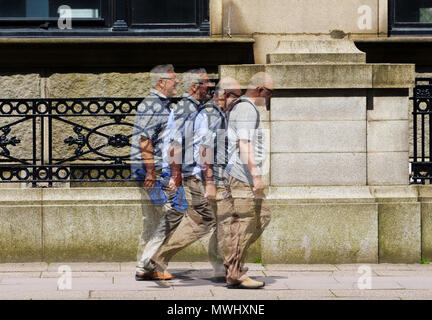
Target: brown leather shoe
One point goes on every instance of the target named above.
(246, 283)
(144, 276)
(167, 275)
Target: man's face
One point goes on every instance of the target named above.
(266, 92)
(204, 88)
(232, 95)
(169, 84)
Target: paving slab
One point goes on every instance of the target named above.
(424, 283)
(194, 281)
(44, 295)
(374, 267)
(265, 294)
(36, 274)
(297, 274)
(384, 294)
(84, 274)
(403, 273)
(376, 282)
(301, 267)
(86, 266)
(191, 294)
(23, 267)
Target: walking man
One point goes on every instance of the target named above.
(245, 170)
(192, 130)
(227, 91)
(162, 212)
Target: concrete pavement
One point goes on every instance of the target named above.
(193, 281)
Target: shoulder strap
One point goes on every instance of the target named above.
(240, 100)
(212, 106)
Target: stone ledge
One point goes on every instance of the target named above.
(326, 76)
(316, 51)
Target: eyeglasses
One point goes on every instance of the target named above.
(231, 93)
(172, 79)
(269, 90)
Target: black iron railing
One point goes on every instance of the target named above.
(421, 162)
(66, 140)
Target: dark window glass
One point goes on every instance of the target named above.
(48, 8)
(163, 11)
(413, 11)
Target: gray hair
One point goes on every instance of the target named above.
(260, 79)
(191, 77)
(160, 71)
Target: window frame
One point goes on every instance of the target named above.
(396, 28)
(115, 20)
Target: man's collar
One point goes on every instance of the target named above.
(245, 97)
(188, 96)
(158, 93)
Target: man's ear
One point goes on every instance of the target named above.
(259, 90)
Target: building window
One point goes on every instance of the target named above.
(40, 18)
(412, 17)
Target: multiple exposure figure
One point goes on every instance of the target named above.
(199, 164)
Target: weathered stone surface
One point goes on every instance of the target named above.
(318, 136)
(318, 108)
(91, 232)
(393, 75)
(317, 169)
(20, 233)
(327, 76)
(312, 51)
(384, 136)
(20, 227)
(321, 194)
(427, 231)
(425, 194)
(309, 225)
(216, 17)
(293, 17)
(399, 232)
(382, 17)
(407, 193)
(389, 108)
(18, 86)
(387, 168)
(77, 85)
(329, 233)
(305, 76)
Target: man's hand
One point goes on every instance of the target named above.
(174, 183)
(210, 193)
(258, 187)
(150, 180)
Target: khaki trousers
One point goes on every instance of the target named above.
(197, 222)
(159, 222)
(250, 218)
(220, 240)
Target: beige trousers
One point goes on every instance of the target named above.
(250, 218)
(197, 222)
(159, 222)
(220, 240)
